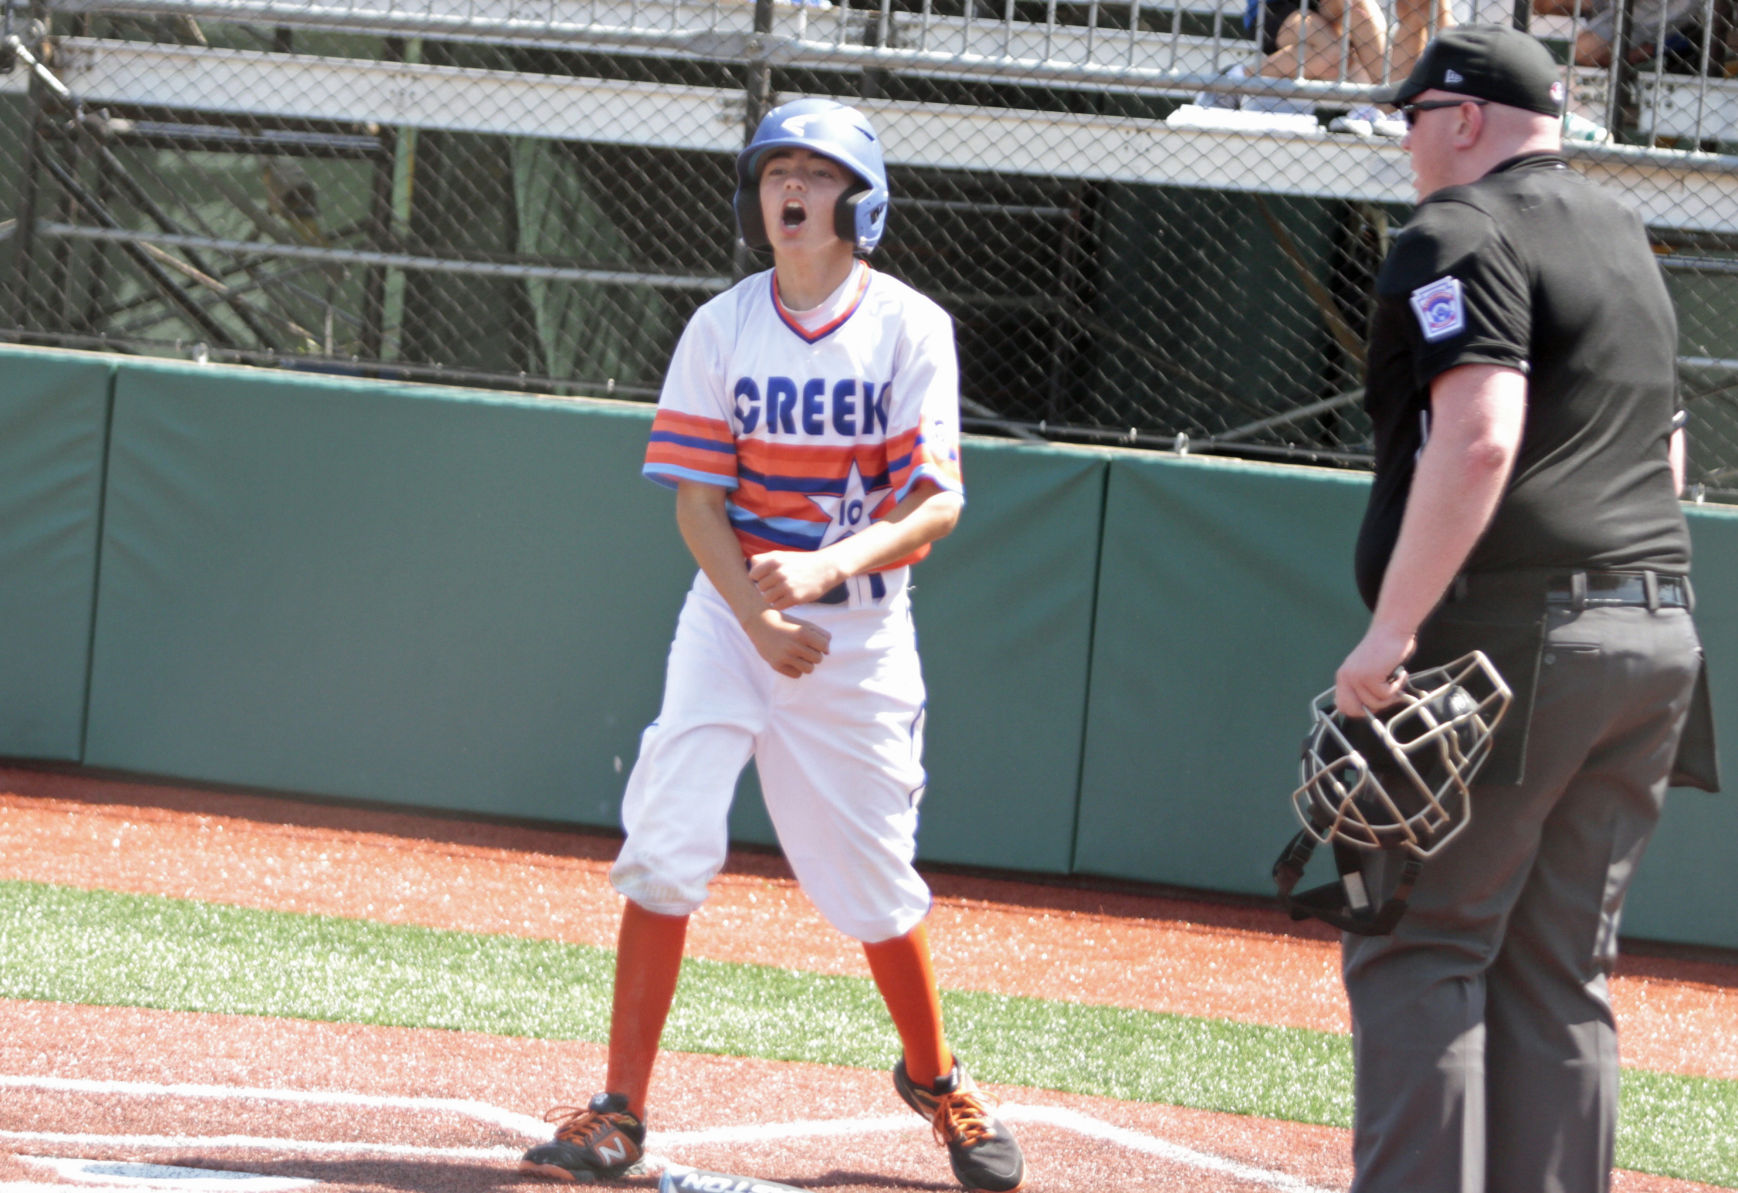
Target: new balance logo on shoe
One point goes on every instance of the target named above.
(600, 1142)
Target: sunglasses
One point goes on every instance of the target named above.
(1409, 112)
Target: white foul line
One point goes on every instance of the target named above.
(264, 1143)
(1094, 1128)
(534, 1128)
(524, 1124)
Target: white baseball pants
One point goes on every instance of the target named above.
(839, 753)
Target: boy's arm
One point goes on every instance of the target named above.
(786, 578)
(790, 646)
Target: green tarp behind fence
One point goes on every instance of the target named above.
(463, 600)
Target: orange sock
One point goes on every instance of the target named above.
(648, 962)
(903, 973)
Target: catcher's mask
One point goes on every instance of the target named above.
(1397, 779)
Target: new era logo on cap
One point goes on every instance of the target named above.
(1496, 63)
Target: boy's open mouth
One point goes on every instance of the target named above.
(793, 214)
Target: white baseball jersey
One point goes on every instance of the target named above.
(817, 425)
(815, 432)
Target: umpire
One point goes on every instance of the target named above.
(1529, 455)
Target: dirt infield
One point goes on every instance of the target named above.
(366, 1108)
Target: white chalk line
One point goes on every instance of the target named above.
(524, 1124)
(130, 1174)
(263, 1143)
(536, 1129)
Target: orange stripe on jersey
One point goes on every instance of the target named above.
(911, 451)
(686, 445)
(793, 459)
(767, 503)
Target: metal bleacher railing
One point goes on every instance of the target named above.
(1143, 239)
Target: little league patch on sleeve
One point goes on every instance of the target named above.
(1439, 309)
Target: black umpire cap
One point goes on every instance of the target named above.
(1492, 62)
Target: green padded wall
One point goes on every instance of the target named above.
(53, 424)
(1687, 887)
(449, 599)
(380, 592)
(1224, 604)
(407, 595)
(1004, 619)
(1005, 625)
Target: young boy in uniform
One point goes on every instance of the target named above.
(809, 424)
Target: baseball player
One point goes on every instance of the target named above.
(809, 424)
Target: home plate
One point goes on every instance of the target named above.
(128, 1174)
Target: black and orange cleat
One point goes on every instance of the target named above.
(599, 1143)
(985, 1156)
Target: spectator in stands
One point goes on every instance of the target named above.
(1415, 23)
(1598, 26)
(1328, 40)
(1335, 41)
(1339, 40)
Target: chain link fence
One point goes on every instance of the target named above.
(1149, 232)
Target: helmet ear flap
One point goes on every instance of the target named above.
(845, 213)
(860, 216)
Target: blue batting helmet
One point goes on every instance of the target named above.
(832, 130)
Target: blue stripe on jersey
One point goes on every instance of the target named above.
(693, 441)
(775, 532)
(797, 529)
(940, 480)
(803, 484)
(668, 474)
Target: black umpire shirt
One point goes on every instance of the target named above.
(1533, 268)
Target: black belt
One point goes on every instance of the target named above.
(1649, 590)
(839, 594)
(1577, 590)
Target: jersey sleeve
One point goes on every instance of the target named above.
(693, 432)
(1465, 289)
(923, 423)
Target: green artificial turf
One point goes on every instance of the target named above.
(98, 947)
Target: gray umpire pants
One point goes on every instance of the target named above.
(1484, 1043)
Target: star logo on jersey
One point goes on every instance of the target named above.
(850, 511)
